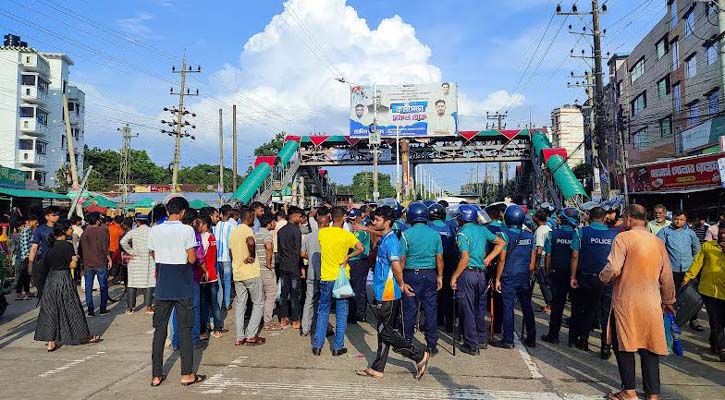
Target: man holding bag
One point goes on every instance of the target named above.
(335, 244)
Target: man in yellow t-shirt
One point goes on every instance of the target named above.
(335, 246)
(247, 279)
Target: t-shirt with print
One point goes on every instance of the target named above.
(169, 242)
(385, 286)
(222, 230)
(40, 237)
(241, 271)
(208, 246)
(335, 244)
(261, 238)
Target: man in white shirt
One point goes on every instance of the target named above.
(440, 123)
(542, 232)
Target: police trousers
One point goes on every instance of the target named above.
(424, 284)
(560, 289)
(470, 293)
(592, 306)
(513, 287)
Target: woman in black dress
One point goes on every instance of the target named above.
(61, 316)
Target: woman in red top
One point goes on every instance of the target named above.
(207, 262)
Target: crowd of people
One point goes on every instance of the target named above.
(454, 265)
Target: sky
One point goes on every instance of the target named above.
(278, 62)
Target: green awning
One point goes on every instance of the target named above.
(100, 201)
(198, 204)
(32, 194)
(143, 203)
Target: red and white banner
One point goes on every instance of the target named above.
(692, 173)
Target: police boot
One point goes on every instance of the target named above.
(530, 342)
(582, 345)
(605, 352)
(549, 338)
(466, 349)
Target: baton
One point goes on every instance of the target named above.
(455, 323)
(493, 293)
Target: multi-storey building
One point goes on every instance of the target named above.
(567, 131)
(32, 122)
(667, 92)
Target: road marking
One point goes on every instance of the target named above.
(69, 365)
(530, 364)
(219, 383)
(150, 331)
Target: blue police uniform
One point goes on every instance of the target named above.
(471, 285)
(558, 247)
(399, 226)
(421, 245)
(450, 261)
(593, 299)
(515, 282)
(494, 296)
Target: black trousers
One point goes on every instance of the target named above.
(185, 322)
(589, 305)
(495, 301)
(358, 277)
(560, 289)
(678, 277)
(389, 326)
(22, 281)
(445, 296)
(650, 363)
(716, 314)
(289, 299)
(148, 297)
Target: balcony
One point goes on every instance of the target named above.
(31, 127)
(31, 94)
(74, 118)
(30, 158)
(34, 63)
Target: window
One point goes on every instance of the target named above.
(693, 111)
(710, 10)
(25, 144)
(676, 97)
(28, 80)
(27, 112)
(673, 13)
(62, 141)
(637, 71)
(675, 50)
(640, 138)
(666, 127)
(639, 104)
(661, 47)
(691, 66)
(711, 54)
(65, 86)
(42, 117)
(71, 106)
(663, 87)
(620, 88)
(40, 147)
(713, 102)
(689, 23)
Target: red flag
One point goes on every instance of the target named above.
(468, 135)
(550, 152)
(318, 139)
(293, 138)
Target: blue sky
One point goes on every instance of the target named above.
(277, 61)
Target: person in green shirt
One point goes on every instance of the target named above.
(359, 269)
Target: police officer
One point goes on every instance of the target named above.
(550, 215)
(512, 277)
(495, 211)
(558, 265)
(589, 255)
(359, 268)
(437, 216)
(470, 291)
(613, 220)
(423, 270)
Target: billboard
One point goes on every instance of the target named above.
(429, 109)
(694, 173)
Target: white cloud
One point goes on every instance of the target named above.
(137, 26)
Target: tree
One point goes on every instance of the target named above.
(362, 186)
(107, 164)
(206, 174)
(582, 171)
(272, 147)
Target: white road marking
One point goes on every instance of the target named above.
(69, 365)
(150, 331)
(219, 383)
(530, 364)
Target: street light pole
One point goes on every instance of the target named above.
(397, 165)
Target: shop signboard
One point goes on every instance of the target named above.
(703, 135)
(691, 173)
(12, 178)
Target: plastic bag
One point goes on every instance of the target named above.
(673, 335)
(342, 288)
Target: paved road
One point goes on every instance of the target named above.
(119, 367)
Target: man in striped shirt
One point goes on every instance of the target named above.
(222, 231)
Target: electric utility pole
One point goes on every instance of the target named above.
(220, 187)
(180, 124)
(125, 168)
(234, 147)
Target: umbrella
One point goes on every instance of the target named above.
(143, 203)
(92, 209)
(197, 204)
(101, 202)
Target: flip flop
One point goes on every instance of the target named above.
(618, 396)
(422, 365)
(162, 378)
(93, 340)
(217, 334)
(197, 379)
(368, 374)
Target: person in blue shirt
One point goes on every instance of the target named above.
(423, 270)
(388, 287)
(558, 265)
(682, 245)
(512, 277)
(590, 250)
(437, 216)
(495, 211)
(472, 242)
(359, 268)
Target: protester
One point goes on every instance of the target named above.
(141, 267)
(712, 232)
(640, 271)
(61, 318)
(709, 264)
(289, 242)
(172, 245)
(40, 241)
(335, 246)
(660, 221)
(222, 230)
(311, 252)
(247, 280)
(359, 269)
(97, 261)
(208, 288)
(22, 284)
(543, 230)
(700, 227)
(265, 257)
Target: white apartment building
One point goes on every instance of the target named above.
(567, 131)
(32, 124)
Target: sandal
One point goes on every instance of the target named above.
(162, 378)
(53, 349)
(197, 379)
(217, 334)
(272, 327)
(92, 340)
(129, 311)
(422, 365)
(619, 396)
(240, 342)
(368, 373)
(256, 341)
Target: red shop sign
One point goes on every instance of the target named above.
(691, 173)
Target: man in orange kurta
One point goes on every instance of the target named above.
(640, 270)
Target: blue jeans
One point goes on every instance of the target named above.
(224, 275)
(323, 316)
(209, 303)
(102, 274)
(197, 322)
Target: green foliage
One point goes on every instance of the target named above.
(582, 171)
(362, 186)
(272, 147)
(206, 174)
